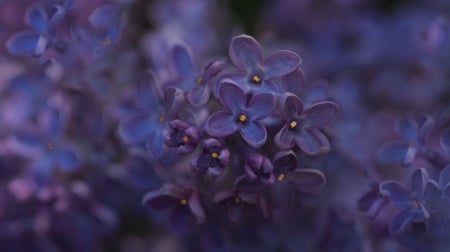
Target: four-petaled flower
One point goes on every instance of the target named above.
(258, 174)
(212, 159)
(303, 127)
(255, 74)
(410, 200)
(182, 135)
(241, 115)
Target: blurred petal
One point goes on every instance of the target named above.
(306, 180)
(66, 158)
(426, 128)
(181, 219)
(292, 106)
(392, 152)
(284, 161)
(245, 184)
(198, 96)
(155, 142)
(105, 17)
(397, 193)
(282, 200)
(321, 114)
(445, 139)
(221, 124)
(196, 208)
(419, 181)
(294, 82)
(232, 96)
(236, 211)
(260, 106)
(284, 139)
(312, 141)
(280, 63)
(245, 52)
(23, 42)
(183, 62)
(135, 129)
(37, 18)
(159, 201)
(399, 222)
(408, 128)
(254, 134)
(444, 176)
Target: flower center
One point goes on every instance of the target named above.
(411, 143)
(214, 155)
(161, 118)
(185, 139)
(414, 204)
(242, 118)
(183, 202)
(50, 146)
(237, 200)
(256, 79)
(293, 124)
(107, 42)
(281, 177)
(199, 80)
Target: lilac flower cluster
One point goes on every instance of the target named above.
(126, 125)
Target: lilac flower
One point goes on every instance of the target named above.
(213, 158)
(413, 141)
(255, 74)
(240, 204)
(258, 174)
(302, 127)
(147, 125)
(183, 136)
(241, 115)
(189, 78)
(410, 200)
(183, 202)
(35, 41)
(291, 179)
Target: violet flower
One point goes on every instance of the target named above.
(183, 136)
(413, 141)
(258, 174)
(411, 201)
(241, 115)
(182, 202)
(303, 127)
(212, 159)
(255, 73)
(289, 180)
(196, 83)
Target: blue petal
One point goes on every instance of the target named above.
(155, 143)
(23, 42)
(65, 158)
(37, 18)
(397, 193)
(392, 152)
(184, 64)
(399, 222)
(135, 129)
(254, 134)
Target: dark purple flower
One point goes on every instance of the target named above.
(183, 202)
(410, 200)
(258, 174)
(289, 179)
(241, 204)
(147, 125)
(255, 73)
(413, 141)
(183, 136)
(196, 83)
(213, 158)
(241, 115)
(303, 127)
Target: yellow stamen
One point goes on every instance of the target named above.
(161, 118)
(199, 80)
(242, 118)
(415, 204)
(280, 177)
(107, 42)
(410, 143)
(214, 155)
(183, 202)
(293, 124)
(237, 200)
(256, 79)
(50, 146)
(185, 139)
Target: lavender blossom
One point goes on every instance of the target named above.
(212, 159)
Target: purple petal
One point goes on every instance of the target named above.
(236, 211)
(294, 81)
(155, 142)
(232, 96)
(392, 151)
(426, 128)
(173, 99)
(212, 69)
(280, 63)
(419, 181)
(444, 176)
(433, 193)
(196, 208)
(292, 106)
(66, 159)
(105, 17)
(282, 200)
(225, 195)
(306, 180)
(445, 139)
(376, 207)
(37, 18)
(221, 124)
(23, 42)
(181, 219)
(399, 222)
(397, 193)
(245, 52)
(198, 95)
(260, 106)
(321, 115)
(183, 61)
(135, 129)
(284, 161)
(312, 141)
(254, 134)
(246, 184)
(148, 94)
(284, 139)
(408, 128)
(157, 200)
